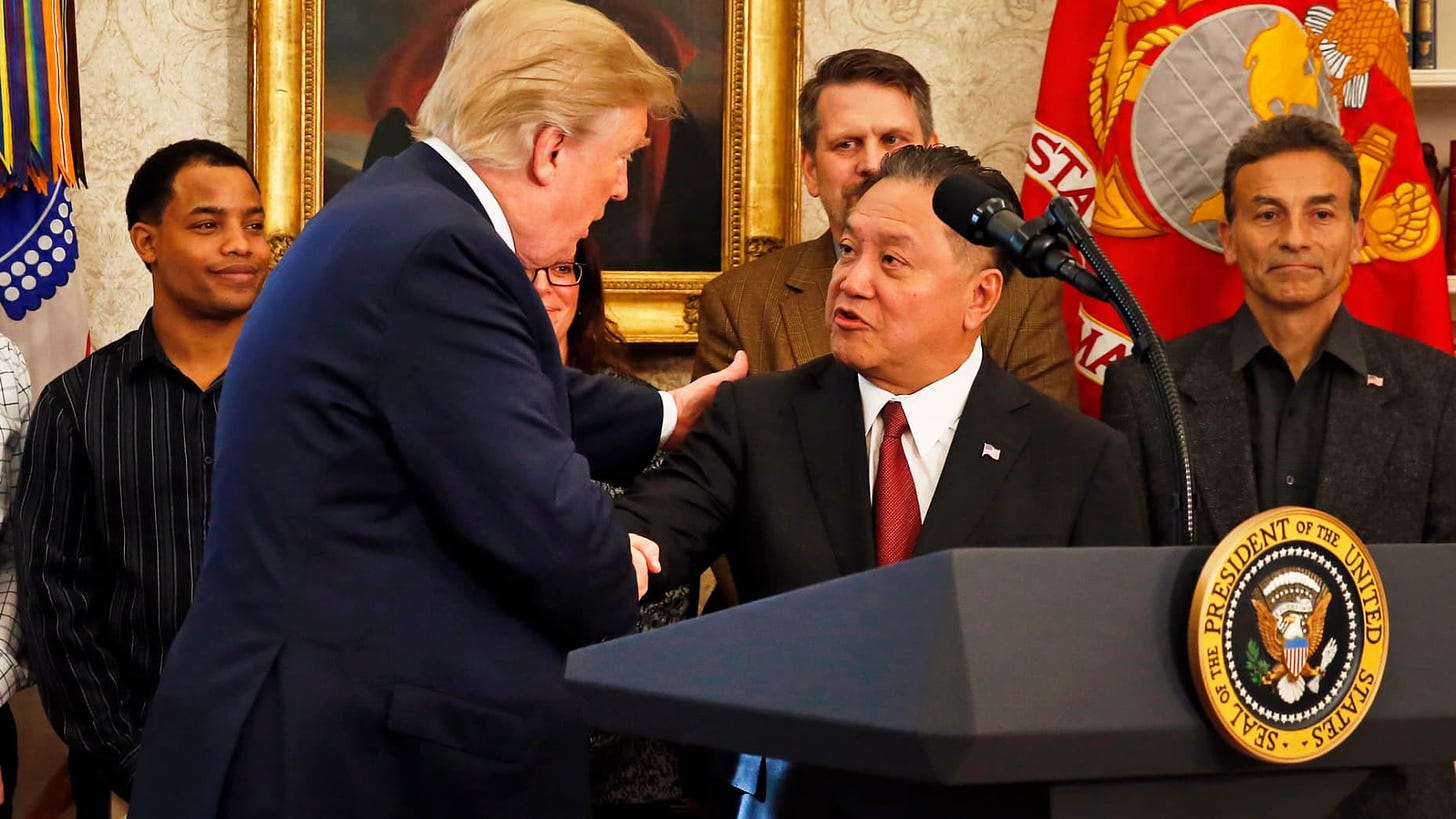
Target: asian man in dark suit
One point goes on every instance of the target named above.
(405, 537)
(859, 105)
(1293, 401)
(908, 439)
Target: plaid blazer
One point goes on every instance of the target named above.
(1388, 466)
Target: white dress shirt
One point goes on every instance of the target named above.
(497, 218)
(933, 412)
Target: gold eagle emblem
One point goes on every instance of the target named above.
(1354, 38)
(1291, 608)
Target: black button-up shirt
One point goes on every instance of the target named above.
(108, 529)
(1287, 417)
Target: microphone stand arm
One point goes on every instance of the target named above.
(1147, 346)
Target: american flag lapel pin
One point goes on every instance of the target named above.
(1372, 380)
(988, 451)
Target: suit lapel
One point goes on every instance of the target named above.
(831, 427)
(969, 481)
(802, 307)
(1216, 413)
(1358, 439)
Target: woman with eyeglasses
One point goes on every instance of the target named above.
(571, 292)
(630, 776)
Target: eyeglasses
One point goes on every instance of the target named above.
(566, 274)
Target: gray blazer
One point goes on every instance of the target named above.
(1388, 467)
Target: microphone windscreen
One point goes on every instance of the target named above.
(956, 199)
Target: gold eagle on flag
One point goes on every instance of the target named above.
(1355, 37)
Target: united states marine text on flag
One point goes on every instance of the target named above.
(1140, 101)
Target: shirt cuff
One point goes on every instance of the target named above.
(669, 418)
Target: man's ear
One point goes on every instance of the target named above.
(1225, 238)
(1357, 241)
(545, 159)
(933, 141)
(810, 171)
(985, 293)
(144, 242)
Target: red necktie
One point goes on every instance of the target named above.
(897, 511)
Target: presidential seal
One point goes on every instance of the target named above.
(1287, 635)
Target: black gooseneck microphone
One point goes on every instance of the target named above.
(1038, 247)
(973, 209)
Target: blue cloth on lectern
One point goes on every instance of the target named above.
(760, 778)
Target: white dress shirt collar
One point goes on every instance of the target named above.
(933, 413)
(933, 410)
(487, 199)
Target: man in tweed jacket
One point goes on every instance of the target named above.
(1294, 401)
(860, 105)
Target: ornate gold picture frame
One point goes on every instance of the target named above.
(760, 148)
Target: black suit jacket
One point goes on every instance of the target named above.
(1388, 470)
(405, 539)
(776, 476)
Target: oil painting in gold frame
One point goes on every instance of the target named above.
(760, 74)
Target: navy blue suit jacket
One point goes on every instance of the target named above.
(405, 538)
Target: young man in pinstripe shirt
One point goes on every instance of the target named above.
(113, 501)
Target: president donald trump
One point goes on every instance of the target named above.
(405, 538)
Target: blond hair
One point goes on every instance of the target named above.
(515, 66)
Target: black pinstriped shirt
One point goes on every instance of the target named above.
(109, 523)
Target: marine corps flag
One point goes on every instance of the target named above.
(1140, 101)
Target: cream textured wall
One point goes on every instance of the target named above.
(161, 70)
(152, 72)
